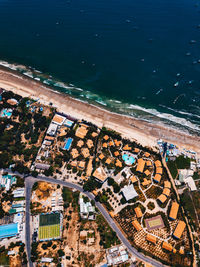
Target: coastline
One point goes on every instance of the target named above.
(143, 132)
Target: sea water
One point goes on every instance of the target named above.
(140, 58)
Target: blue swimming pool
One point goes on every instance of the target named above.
(6, 113)
(8, 230)
(129, 160)
(68, 144)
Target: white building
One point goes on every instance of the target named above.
(117, 255)
(185, 176)
(52, 129)
(129, 192)
(87, 211)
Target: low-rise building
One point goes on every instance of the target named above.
(179, 229)
(117, 255)
(129, 192)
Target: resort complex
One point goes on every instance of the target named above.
(114, 183)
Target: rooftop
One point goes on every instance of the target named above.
(129, 192)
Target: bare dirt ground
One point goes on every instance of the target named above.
(81, 250)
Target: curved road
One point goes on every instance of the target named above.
(29, 181)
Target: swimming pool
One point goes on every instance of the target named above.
(68, 144)
(8, 230)
(6, 113)
(129, 160)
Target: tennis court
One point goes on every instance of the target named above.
(154, 223)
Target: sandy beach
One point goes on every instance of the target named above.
(143, 132)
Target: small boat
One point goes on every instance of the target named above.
(176, 84)
(193, 41)
(178, 74)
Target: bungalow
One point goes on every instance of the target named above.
(159, 170)
(127, 147)
(136, 150)
(138, 212)
(157, 178)
(81, 131)
(52, 129)
(151, 238)
(105, 145)
(179, 229)
(85, 152)
(74, 153)
(167, 184)
(162, 198)
(81, 165)
(166, 192)
(80, 143)
(174, 210)
(140, 166)
(136, 225)
(118, 163)
(147, 172)
(90, 143)
(108, 161)
(146, 154)
(94, 134)
(149, 163)
(167, 246)
(111, 143)
(101, 156)
(106, 137)
(133, 179)
(116, 153)
(158, 163)
(117, 143)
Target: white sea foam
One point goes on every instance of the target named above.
(129, 109)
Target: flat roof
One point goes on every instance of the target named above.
(129, 192)
(7, 230)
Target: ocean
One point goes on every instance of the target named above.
(136, 57)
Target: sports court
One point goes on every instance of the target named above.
(49, 226)
(154, 223)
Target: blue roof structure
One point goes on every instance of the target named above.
(8, 230)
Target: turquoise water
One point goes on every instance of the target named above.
(129, 160)
(122, 55)
(6, 113)
(68, 144)
(8, 230)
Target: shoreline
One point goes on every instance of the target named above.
(141, 131)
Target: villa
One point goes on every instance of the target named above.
(106, 137)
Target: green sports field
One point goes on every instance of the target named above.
(50, 231)
(49, 219)
(49, 226)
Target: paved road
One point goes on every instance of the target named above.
(28, 186)
(29, 183)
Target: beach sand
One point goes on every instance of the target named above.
(143, 132)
